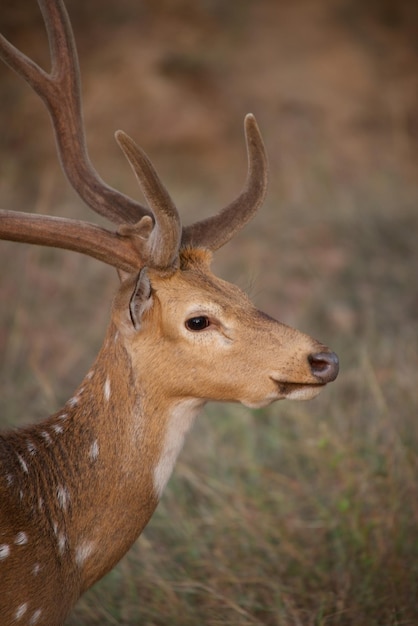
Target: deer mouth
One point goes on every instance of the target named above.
(299, 391)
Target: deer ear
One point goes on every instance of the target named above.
(141, 299)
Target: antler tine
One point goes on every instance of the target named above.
(163, 242)
(112, 248)
(215, 231)
(60, 90)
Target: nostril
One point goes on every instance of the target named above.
(324, 366)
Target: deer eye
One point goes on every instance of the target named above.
(198, 323)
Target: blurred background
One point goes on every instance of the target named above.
(298, 514)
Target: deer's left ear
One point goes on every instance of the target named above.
(141, 299)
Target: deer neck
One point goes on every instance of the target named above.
(102, 462)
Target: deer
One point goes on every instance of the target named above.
(78, 488)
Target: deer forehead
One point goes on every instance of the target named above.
(194, 292)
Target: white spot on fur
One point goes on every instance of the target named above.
(62, 542)
(63, 417)
(83, 551)
(178, 424)
(89, 374)
(23, 463)
(46, 436)
(73, 401)
(36, 569)
(21, 610)
(63, 497)
(4, 551)
(40, 504)
(21, 539)
(31, 447)
(94, 450)
(57, 428)
(106, 389)
(35, 617)
(9, 479)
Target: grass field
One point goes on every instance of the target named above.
(301, 514)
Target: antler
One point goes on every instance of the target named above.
(60, 91)
(113, 248)
(164, 239)
(217, 230)
(147, 235)
(213, 232)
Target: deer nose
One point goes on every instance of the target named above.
(324, 366)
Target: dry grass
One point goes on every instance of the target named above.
(300, 514)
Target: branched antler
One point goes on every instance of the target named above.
(146, 236)
(60, 91)
(218, 229)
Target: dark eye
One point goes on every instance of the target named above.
(198, 323)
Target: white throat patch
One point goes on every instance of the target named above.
(179, 423)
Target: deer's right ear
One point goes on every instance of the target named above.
(141, 298)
